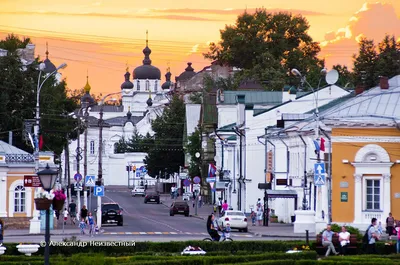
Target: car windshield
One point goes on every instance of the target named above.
(235, 213)
(152, 193)
(108, 207)
(180, 204)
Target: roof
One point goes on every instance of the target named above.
(227, 128)
(120, 121)
(253, 97)
(108, 108)
(187, 74)
(331, 104)
(376, 102)
(261, 111)
(281, 194)
(9, 149)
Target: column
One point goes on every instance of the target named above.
(386, 195)
(358, 199)
(3, 194)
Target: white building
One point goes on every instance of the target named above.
(143, 99)
(252, 120)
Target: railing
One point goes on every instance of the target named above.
(19, 158)
(367, 216)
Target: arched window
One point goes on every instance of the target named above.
(19, 199)
(155, 85)
(147, 85)
(92, 147)
(138, 85)
(115, 148)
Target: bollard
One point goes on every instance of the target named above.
(307, 239)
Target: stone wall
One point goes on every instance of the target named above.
(16, 222)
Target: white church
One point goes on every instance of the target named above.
(143, 99)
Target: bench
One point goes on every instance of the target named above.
(351, 248)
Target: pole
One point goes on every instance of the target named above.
(196, 202)
(265, 219)
(78, 153)
(240, 172)
(100, 165)
(47, 239)
(85, 157)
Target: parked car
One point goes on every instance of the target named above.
(111, 213)
(187, 196)
(138, 190)
(180, 207)
(236, 219)
(152, 197)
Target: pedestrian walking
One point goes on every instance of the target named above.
(72, 211)
(1, 231)
(82, 226)
(390, 222)
(219, 206)
(253, 216)
(92, 225)
(259, 215)
(65, 213)
(84, 213)
(200, 202)
(225, 207)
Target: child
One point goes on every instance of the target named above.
(91, 224)
(253, 218)
(65, 216)
(82, 226)
(380, 229)
(226, 231)
(97, 230)
(397, 229)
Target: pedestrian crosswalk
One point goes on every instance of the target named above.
(169, 233)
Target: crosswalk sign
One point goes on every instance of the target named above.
(90, 181)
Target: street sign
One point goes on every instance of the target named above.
(99, 191)
(186, 182)
(78, 177)
(319, 174)
(196, 180)
(32, 181)
(90, 181)
(344, 196)
(196, 186)
(211, 179)
(144, 170)
(137, 174)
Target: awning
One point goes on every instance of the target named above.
(289, 194)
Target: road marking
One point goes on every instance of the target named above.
(169, 233)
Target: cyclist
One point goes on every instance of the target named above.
(212, 227)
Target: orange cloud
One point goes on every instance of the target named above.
(234, 11)
(372, 21)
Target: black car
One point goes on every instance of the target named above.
(152, 197)
(180, 207)
(111, 214)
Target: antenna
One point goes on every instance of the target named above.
(332, 77)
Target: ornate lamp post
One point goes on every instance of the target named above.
(47, 179)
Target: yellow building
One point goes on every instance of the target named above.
(366, 156)
(16, 200)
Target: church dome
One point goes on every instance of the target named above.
(49, 66)
(127, 84)
(167, 83)
(187, 74)
(147, 71)
(87, 98)
(149, 102)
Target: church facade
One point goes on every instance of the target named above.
(143, 100)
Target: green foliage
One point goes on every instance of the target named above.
(352, 230)
(346, 78)
(166, 154)
(11, 43)
(266, 46)
(18, 86)
(193, 146)
(196, 98)
(388, 63)
(137, 143)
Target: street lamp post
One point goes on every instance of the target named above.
(47, 179)
(100, 164)
(35, 222)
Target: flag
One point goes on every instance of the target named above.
(40, 142)
(322, 145)
(317, 148)
(211, 171)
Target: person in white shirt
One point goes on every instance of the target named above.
(344, 239)
(65, 216)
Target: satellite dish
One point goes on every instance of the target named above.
(332, 77)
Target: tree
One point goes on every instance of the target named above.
(388, 63)
(18, 84)
(11, 43)
(193, 147)
(365, 64)
(267, 46)
(166, 155)
(137, 143)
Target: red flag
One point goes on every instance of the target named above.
(40, 142)
(322, 145)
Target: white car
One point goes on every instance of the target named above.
(236, 219)
(139, 190)
(187, 196)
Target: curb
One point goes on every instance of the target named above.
(277, 236)
(75, 234)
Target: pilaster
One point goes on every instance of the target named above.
(3, 194)
(386, 194)
(357, 199)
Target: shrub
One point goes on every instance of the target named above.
(352, 230)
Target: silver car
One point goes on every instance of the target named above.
(139, 190)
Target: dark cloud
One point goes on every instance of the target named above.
(234, 11)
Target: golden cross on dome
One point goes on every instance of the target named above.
(47, 50)
(168, 67)
(127, 66)
(147, 37)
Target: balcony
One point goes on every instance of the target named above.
(368, 215)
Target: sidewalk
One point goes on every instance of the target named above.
(278, 230)
(202, 212)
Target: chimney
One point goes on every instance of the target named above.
(359, 89)
(10, 138)
(384, 82)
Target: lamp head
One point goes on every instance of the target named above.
(62, 66)
(324, 71)
(42, 66)
(295, 72)
(47, 178)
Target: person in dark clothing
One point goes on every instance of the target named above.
(72, 211)
(84, 213)
(212, 228)
(1, 231)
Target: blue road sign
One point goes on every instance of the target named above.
(196, 180)
(211, 180)
(78, 177)
(144, 170)
(90, 181)
(319, 174)
(137, 174)
(186, 183)
(99, 191)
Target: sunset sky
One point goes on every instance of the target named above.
(102, 37)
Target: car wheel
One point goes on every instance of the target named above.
(145, 201)
(120, 223)
(186, 214)
(245, 230)
(171, 214)
(240, 230)
(158, 202)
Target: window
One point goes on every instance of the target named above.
(147, 85)
(138, 85)
(19, 199)
(373, 193)
(92, 147)
(155, 86)
(115, 148)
